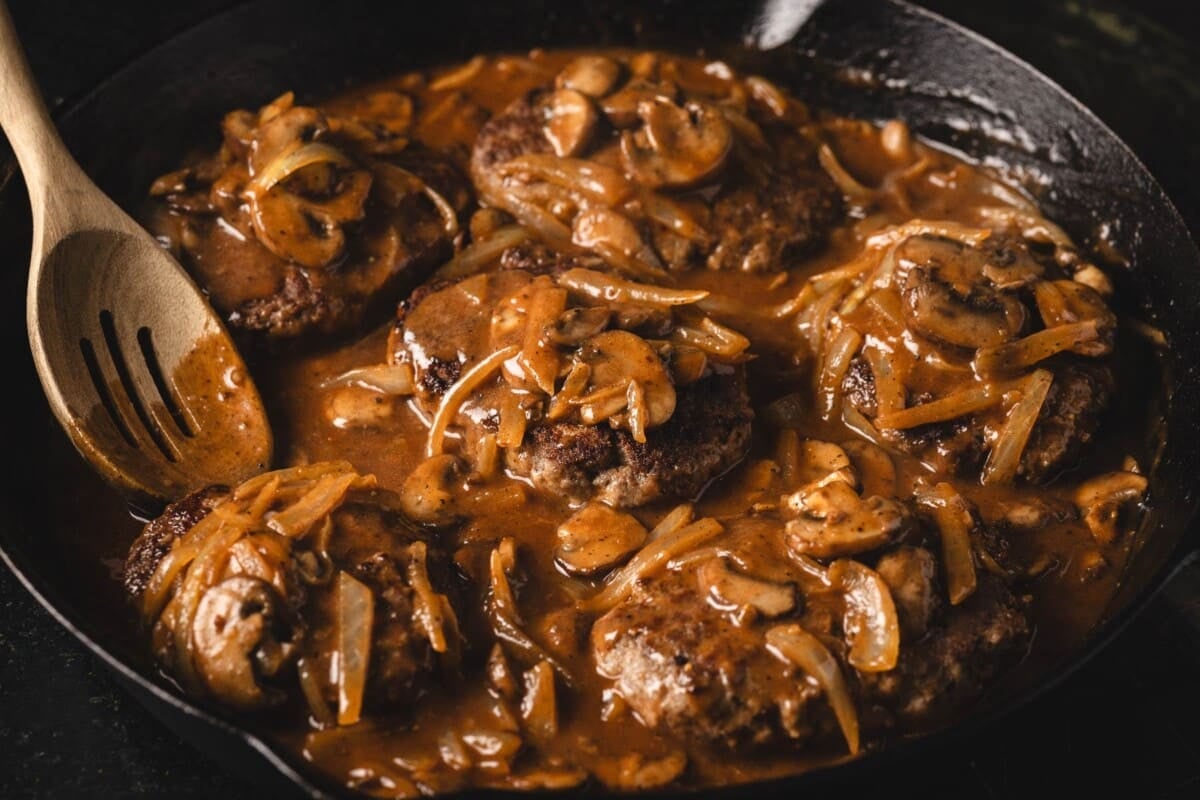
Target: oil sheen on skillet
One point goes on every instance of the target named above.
(641, 427)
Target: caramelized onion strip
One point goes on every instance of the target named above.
(480, 254)
(1005, 456)
(601, 286)
(836, 363)
(355, 619)
(955, 523)
(793, 644)
(594, 181)
(1036, 347)
(457, 394)
(952, 406)
(651, 558)
(870, 622)
(389, 379)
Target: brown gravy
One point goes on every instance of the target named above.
(1076, 575)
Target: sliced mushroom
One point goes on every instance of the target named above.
(577, 325)
(823, 462)
(833, 521)
(874, 467)
(357, 407)
(972, 316)
(910, 573)
(947, 296)
(618, 359)
(1007, 263)
(277, 133)
(1101, 499)
(393, 110)
(730, 591)
(570, 121)
(617, 240)
(594, 76)
(596, 538)
(427, 494)
(308, 230)
(677, 146)
(621, 107)
(243, 637)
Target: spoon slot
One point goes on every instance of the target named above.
(146, 342)
(123, 375)
(88, 350)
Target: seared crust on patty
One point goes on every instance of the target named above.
(707, 435)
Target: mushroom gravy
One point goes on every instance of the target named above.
(636, 243)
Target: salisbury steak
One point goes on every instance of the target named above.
(959, 656)
(752, 196)
(686, 668)
(708, 433)
(305, 224)
(695, 418)
(275, 601)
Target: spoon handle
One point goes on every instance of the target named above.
(43, 157)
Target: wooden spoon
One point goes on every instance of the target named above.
(137, 367)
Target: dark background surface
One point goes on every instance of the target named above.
(1128, 723)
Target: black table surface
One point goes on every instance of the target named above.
(1127, 723)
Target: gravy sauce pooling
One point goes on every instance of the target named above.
(718, 439)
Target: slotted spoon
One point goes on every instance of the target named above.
(136, 365)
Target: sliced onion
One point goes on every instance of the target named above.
(952, 406)
(602, 286)
(594, 181)
(483, 252)
(292, 161)
(457, 394)
(1037, 347)
(1005, 457)
(355, 619)
(955, 523)
(310, 685)
(651, 558)
(837, 360)
(539, 358)
(539, 705)
(674, 519)
(847, 183)
(943, 229)
(870, 623)
(890, 394)
(298, 518)
(427, 608)
(506, 619)
(797, 646)
(390, 379)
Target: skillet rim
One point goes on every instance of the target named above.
(297, 771)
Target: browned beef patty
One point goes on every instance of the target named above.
(160, 533)
(756, 220)
(685, 668)
(708, 433)
(958, 658)
(1067, 422)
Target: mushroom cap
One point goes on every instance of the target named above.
(677, 146)
(243, 636)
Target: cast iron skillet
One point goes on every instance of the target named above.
(875, 59)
